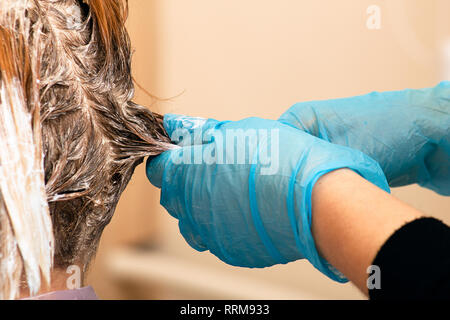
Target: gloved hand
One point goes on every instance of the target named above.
(242, 189)
(406, 132)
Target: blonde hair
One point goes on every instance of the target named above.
(70, 136)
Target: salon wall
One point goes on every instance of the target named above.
(238, 58)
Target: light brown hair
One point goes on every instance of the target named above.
(69, 133)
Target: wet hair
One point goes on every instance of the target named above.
(70, 136)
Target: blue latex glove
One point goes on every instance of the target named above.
(406, 132)
(254, 211)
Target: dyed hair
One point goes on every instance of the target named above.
(70, 136)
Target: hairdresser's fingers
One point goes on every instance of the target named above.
(174, 172)
(155, 167)
(186, 130)
(169, 167)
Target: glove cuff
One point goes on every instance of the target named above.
(368, 168)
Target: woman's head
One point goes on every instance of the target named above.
(65, 74)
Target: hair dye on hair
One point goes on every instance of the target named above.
(70, 135)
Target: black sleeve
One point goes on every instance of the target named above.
(414, 263)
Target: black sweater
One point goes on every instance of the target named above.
(414, 263)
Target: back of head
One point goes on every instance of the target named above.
(70, 136)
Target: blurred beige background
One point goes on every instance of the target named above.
(237, 58)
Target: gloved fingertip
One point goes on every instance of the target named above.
(444, 84)
(173, 122)
(155, 167)
(191, 236)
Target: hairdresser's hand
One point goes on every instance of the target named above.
(407, 132)
(242, 189)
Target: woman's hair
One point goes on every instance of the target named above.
(70, 136)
